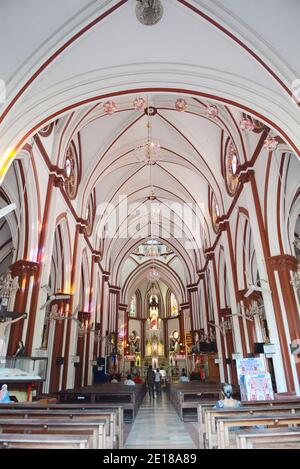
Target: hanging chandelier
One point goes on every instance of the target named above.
(8, 287)
(148, 152)
(153, 274)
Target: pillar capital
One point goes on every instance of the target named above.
(283, 262)
(24, 268)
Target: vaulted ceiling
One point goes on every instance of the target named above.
(67, 59)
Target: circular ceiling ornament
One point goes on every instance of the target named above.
(271, 143)
(139, 104)
(149, 12)
(110, 107)
(247, 124)
(211, 111)
(181, 105)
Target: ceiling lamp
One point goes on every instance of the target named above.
(153, 275)
(271, 143)
(181, 105)
(110, 107)
(211, 110)
(149, 12)
(149, 151)
(139, 104)
(247, 124)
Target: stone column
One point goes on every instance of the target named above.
(24, 270)
(281, 360)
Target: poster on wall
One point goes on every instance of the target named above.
(246, 366)
(259, 387)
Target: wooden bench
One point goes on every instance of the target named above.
(66, 416)
(211, 416)
(19, 441)
(115, 413)
(185, 397)
(281, 438)
(206, 424)
(95, 431)
(223, 425)
(129, 397)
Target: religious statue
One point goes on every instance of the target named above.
(3, 325)
(134, 343)
(4, 396)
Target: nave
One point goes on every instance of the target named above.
(158, 426)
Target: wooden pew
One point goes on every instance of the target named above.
(19, 441)
(281, 438)
(95, 431)
(130, 397)
(206, 424)
(94, 417)
(224, 424)
(185, 397)
(115, 412)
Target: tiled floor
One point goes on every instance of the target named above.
(157, 425)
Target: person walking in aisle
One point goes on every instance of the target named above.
(150, 380)
(158, 382)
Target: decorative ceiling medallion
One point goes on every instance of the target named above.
(110, 107)
(149, 12)
(139, 104)
(212, 111)
(181, 105)
(271, 143)
(247, 124)
(258, 126)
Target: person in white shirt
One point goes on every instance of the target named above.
(157, 381)
(129, 381)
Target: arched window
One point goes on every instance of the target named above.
(132, 311)
(232, 162)
(215, 213)
(71, 171)
(174, 305)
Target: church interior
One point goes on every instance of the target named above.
(150, 224)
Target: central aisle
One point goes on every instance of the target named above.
(157, 425)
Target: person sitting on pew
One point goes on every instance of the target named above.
(228, 401)
(137, 379)
(184, 378)
(114, 379)
(4, 396)
(129, 381)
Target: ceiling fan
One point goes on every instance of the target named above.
(53, 297)
(252, 287)
(6, 210)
